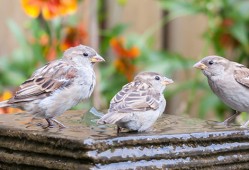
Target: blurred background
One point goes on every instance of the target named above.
(165, 36)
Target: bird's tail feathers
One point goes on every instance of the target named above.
(111, 118)
(4, 104)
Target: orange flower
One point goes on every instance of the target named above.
(74, 36)
(49, 8)
(5, 96)
(125, 67)
(44, 39)
(51, 55)
(118, 46)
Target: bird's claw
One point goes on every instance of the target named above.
(61, 126)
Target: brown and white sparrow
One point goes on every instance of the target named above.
(58, 86)
(229, 81)
(139, 103)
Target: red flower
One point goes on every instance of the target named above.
(227, 22)
(74, 36)
(225, 38)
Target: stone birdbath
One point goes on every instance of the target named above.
(176, 142)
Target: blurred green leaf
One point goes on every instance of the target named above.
(122, 2)
(240, 31)
(116, 30)
(244, 116)
(19, 35)
(207, 103)
(179, 7)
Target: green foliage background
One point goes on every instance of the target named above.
(227, 34)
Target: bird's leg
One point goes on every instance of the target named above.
(231, 118)
(58, 123)
(50, 123)
(118, 129)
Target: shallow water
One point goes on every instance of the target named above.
(82, 125)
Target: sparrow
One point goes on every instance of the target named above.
(57, 86)
(229, 81)
(139, 103)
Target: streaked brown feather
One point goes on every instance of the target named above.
(45, 81)
(135, 96)
(112, 118)
(241, 75)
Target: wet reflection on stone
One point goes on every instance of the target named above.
(174, 142)
(86, 122)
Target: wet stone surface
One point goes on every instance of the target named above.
(175, 142)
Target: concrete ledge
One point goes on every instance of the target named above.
(176, 142)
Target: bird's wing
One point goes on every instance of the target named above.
(241, 75)
(135, 97)
(44, 81)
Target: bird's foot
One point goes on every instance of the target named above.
(245, 125)
(242, 126)
(49, 125)
(61, 126)
(224, 123)
(39, 124)
(230, 120)
(51, 122)
(215, 123)
(29, 124)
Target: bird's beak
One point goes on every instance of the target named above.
(97, 59)
(200, 65)
(167, 81)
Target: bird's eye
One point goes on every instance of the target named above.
(157, 78)
(211, 62)
(85, 54)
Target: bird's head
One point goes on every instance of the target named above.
(212, 65)
(83, 54)
(153, 79)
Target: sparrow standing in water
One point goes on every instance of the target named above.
(229, 81)
(139, 103)
(58, 86)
